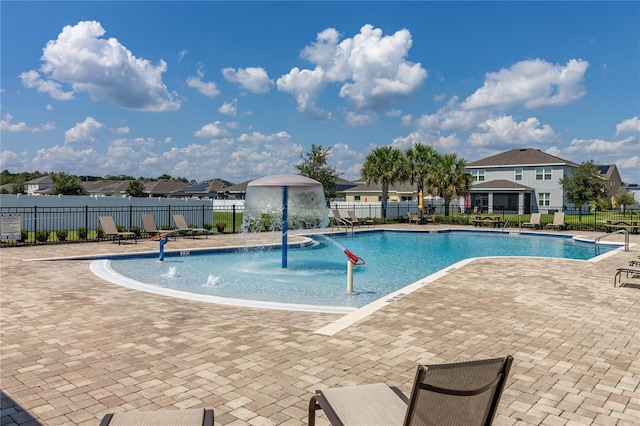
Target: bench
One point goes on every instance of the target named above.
(631, 225)
(494, 220)
(630, 274)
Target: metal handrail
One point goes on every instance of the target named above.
(619, 231)
(506, 222)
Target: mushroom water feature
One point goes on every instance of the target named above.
(284, 201)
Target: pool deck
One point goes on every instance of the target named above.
(74, 347)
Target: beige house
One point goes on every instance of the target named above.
(363, 193)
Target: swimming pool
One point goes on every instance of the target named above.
(316, 274)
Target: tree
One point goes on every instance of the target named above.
(420, 161)
(448, 179)
(583, 186)
(624, 198)
(66, 184)
(385, 165)
(135, 189)
(314, 166)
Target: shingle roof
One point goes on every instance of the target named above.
(377, 187)
(500, 184)
(520, 157)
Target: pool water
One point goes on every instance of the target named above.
(317, 275)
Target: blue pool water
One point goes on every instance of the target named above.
(317, 275)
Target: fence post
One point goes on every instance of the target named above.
(203, 215)
(86, 222)
(130, 216)
(233, 220)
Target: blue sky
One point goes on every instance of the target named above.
(238, 90)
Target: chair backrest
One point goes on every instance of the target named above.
(336, 213)
(352, 216)
(180, 221)
(558, 218)
(464, 393)
(535, 218)
(108, 225)
(149, 222)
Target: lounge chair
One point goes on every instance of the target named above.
(558, 221)
(356, 222)
(110, 229)
(413, 217)
(182, 227)
(339, 221)
(534, 221)
(190, 417)
(150, 228)
(460, 394)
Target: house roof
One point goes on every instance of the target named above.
(163, 186)
(404, 187)
(520, 157)
(203, 189)
(500, 184)
(607, 170)
(41, 179)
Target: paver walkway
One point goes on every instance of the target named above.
(74, 347)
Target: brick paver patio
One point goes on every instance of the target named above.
(74, 347)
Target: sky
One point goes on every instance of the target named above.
(239, 90)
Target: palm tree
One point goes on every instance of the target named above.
(385, 165)
(449, 179)
(420, 160)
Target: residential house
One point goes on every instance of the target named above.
(39, 186)
(118, 188)
(610, 173)
(402, 191)
(214, 188)
(520, 180)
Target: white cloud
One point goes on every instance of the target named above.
(213, 130)
(182, 54)
(103, 68)
(254, 79)
(595, 146)
(83, 133)
(531, 83)
(121, 130)
(371, 68)
(305, 86)
(353, 119)
(229, 108)
(504, 132)
(631, 125)
(31, 80)
(7, 126)
(207, 88)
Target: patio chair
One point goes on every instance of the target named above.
(110, 229)
(339, 221)
(558, 221)
(413, 217)
(150, 228)
(190, 417)
(534, 221)
(182, 227)
(356, 222)
(457, 394)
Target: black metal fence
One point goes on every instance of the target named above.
(52, 225)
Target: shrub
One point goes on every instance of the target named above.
(220, 227)
(24, 235)
(208, 226)
(136, 230)
(99, 233)
(42, 235)
(82, 233)
(62, 234)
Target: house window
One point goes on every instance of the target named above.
(356, 197)
(543, 173)
(544, 199)
(518, 174)
(478, 175)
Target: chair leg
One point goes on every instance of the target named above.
(313, 406)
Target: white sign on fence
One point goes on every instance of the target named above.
(10, 225)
